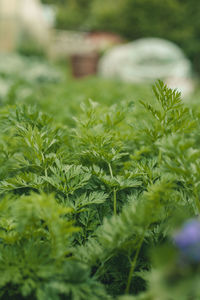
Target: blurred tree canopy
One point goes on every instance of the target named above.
(176, 20)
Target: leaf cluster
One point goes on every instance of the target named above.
(83, 207)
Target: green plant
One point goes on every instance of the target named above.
(88, 206)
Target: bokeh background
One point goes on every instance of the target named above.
(175, 20)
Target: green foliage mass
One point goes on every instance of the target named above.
(88, 205)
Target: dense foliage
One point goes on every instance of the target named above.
(176, 20)
(89, 202)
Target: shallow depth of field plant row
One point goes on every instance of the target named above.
(100, 204)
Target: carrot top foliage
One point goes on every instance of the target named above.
(88, 209)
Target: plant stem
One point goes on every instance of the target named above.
(110, 169)
(114, 192)
(197, 199)
(159, 157)
(133, 264)
(115, 201)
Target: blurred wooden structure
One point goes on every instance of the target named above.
(66, 43)
(84, 64)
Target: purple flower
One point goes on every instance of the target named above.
(188, 240)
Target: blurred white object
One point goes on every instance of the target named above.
(17, 16)
(49, 13)
(31, 15)
(146, 60)
(184, 85)
(16, 67)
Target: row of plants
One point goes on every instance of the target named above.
(102, 206)
(21, 77)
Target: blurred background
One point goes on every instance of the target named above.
(133, 42)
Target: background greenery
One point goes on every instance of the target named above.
(176, 20)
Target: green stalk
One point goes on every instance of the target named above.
(110, 169)
(197, 199)
(114, 192)
(159, 157)
(133, 265)
(115, 201)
